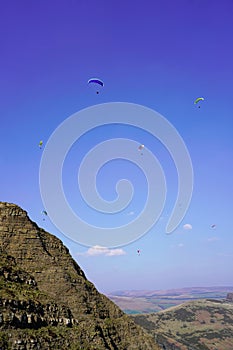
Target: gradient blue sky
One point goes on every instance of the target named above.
(161, 54)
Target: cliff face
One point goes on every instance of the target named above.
(48, 260)
(45, 299)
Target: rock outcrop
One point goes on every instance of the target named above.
(46, 302)
(229, 297)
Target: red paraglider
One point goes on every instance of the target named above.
(140, 148)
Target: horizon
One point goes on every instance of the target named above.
(193, 287)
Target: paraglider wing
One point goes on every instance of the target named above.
(141, 147)
(44, 212)
(40, 144)
(96, 81)
(198, 99)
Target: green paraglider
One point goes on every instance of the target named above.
(40, 144)
(198, 100)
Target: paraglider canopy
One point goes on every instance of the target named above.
(213, 226)
(97, 83)
(44, 212)
(198, 100)
(40, 144)
(138, 251)
(141, 147)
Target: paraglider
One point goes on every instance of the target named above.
(40, 144)
(97, 83)
(44, 212)
(140, 148)
(198, 100)
(138, 251)
(213, 226)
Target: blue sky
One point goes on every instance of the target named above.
(162, 54)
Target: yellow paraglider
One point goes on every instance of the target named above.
(198, 100)
(40, 144)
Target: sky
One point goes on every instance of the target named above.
(158, 54)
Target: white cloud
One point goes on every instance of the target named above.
(213, 239)
(98, 250)
(225, 255)
(114, 252)
(187, 227)
(174, 246)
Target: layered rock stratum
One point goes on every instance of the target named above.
(46, 301)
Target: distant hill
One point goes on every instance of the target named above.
(46, 301)
(147, 301)
(189, 291)
(194, 325)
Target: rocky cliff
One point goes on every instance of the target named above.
(46, 302)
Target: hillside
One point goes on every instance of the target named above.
(194, 325)
(149, 301)
(46, 302)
